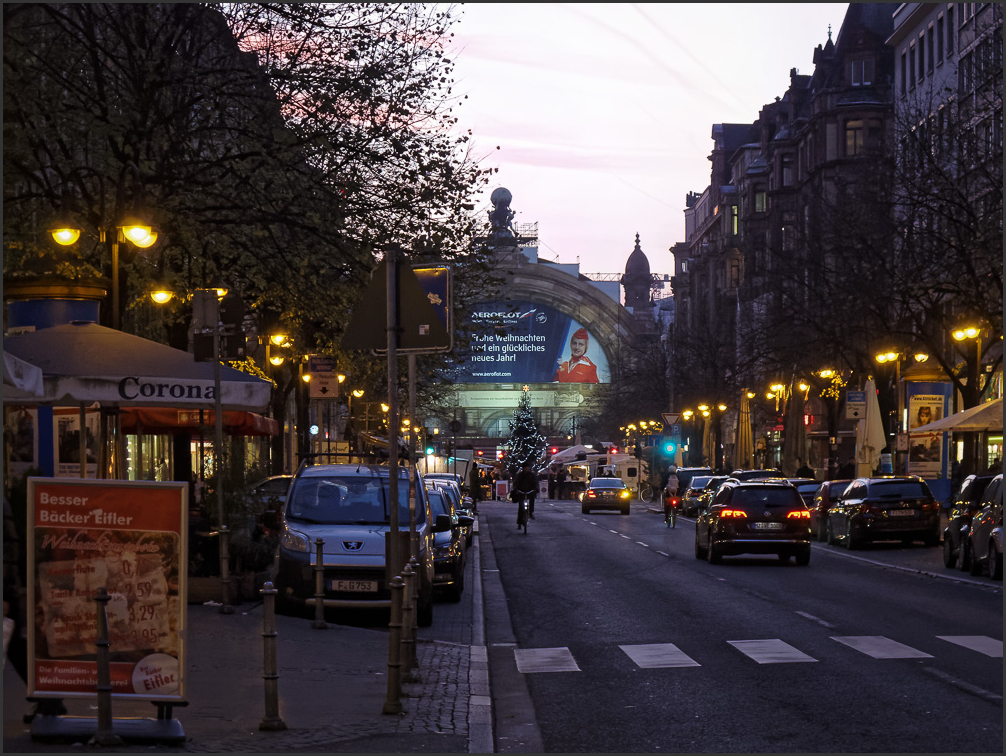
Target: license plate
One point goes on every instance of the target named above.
(358, 586)
(901, 513)
(767, 525)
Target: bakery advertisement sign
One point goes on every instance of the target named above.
(128, 537)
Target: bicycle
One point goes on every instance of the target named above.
(646, 492)
(522, 510)
(671, 511)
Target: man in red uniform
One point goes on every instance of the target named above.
(578, 368)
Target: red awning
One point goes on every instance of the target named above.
(167, 420)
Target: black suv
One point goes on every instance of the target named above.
(347, 506)
(754, 517)
(888, 507)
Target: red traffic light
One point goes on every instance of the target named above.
(479, 453)
(554, 450)
(613, 450)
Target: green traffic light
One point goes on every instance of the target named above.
(429, 450)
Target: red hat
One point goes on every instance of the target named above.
(581, 334)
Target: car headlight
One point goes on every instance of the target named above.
(294, 541)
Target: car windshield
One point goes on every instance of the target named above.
(437, 504)
(699, 481)
(835, 489)
(276, 487)
(347, 500)
(766, 497)
(607, 483)
(898, 489)
(806, 488)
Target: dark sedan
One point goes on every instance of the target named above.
(754, 517)
(885, 508)
(606, 493)
(449, 547)
(825, 497)
(963, 508)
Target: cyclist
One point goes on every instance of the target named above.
(671, 496)
(525, 486)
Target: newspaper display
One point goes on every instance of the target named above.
(129, 538)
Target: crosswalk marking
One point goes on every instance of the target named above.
(880, 647)
(657, 655)
(545, 660)
(980, 643)
(771, 651)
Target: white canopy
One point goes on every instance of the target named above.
(984, 417)
(87, 363)
(567, 456)
(20, 379)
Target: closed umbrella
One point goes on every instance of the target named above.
(745, 437)
(709, 443)
(870, 437)
(794, 444)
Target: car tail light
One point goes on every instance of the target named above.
(798, 514)
(591, 494)
(733, 514)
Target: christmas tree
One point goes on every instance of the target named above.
(526, 444)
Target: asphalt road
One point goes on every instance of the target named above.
(625, 642)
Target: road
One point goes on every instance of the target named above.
(625, 642)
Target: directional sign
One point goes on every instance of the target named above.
(855, 405)
(670, 418)
(324, 380)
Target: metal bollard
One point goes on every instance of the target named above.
(319, 588)
(393, 703)
(413, 628)
(105, 736)
(225, 575)
(408, 635)
(270, 673)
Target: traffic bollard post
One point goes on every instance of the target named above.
(319, 588)
(393, 702)
(270, 669)
(408, 633)
(105, 735)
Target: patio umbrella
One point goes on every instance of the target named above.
(20, 379)
(708, 443)
(870, 436)
(794, 443)
(984, 417)
(745, 437)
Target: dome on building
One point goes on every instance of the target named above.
(637, 265)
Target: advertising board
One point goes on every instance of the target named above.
(128, 537)
(525, 342)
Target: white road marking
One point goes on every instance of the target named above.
(880, 647)
(663, 553)
(980, 643)
(545, 660)
(818, 620)
(658, 655)
(771, 651)
(643, 544)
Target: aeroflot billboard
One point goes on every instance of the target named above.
(523, 342)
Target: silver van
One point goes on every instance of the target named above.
(347, 507)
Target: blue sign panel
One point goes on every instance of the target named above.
(525, 342)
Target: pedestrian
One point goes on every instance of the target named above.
(805, 470)
(673, 482)
(163, 472)
(475, 487)
(551, 482)
(560, 482)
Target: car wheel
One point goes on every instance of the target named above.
(822, 531)
(852, 542)
(933, 539)
(700, 553)
(994, 559)
(783, 557)
(584, 510)
(964, 559)
(831, 534)
(625, 510)
(949, 556)
(803, 558)
(458, 587)
(977, 565)
(713, 554)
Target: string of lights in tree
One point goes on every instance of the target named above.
(526, 443)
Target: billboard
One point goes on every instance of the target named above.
(525, 342)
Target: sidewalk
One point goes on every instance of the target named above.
(332, 687)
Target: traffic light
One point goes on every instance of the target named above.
(479, 453)
(669, 447)
(553, 450)
(429, 449)
(612, 450)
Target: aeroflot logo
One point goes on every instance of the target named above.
(132, 387)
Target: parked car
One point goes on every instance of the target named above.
(268, 494)
(606, 493)
(455, 477)
(348, 507)
(754, 517)
(806, 487)
(461, 504)
(712, 485)
(984, 544)
(449, 549)
(824, 498)
(685, 475)
(885, 508)
(690, 494)
(965, 504)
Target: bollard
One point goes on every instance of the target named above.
(270, 672)
(393, 703)
(408, 632)
(225, 572)
(414, 660)
(319, 588)
(105, 736)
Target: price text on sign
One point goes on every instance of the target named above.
(128, 537)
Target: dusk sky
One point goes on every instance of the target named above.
(603, 112)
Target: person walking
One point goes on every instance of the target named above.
(475, 487)
(552, 481)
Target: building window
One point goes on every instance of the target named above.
(911, 66)
(734, 275)
(929, 51)
(862, 72)
(904, 73)
(853, 138)
(734, 220)
(760, 201)
(939, 40)
(787, 170)
(831, 141)
(951, 31)
(922, 55)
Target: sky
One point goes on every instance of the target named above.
(598, 116)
